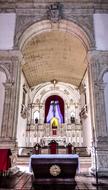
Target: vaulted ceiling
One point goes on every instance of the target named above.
(54, 55)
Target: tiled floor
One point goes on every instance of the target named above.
(22, 180)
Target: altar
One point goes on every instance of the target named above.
(60, 140)
(58, 170)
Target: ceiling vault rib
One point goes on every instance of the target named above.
(82, 78)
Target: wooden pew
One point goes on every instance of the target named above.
(54, 171)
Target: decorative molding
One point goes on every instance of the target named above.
(24, 111)
(13, 5)
(6, 71)
(84, 112)
(55, 170)
(54, 12)
(84, 22)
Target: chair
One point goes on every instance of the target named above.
(36, 149)
(53, 147)
(70, 149)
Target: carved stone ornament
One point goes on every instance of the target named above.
(55, 170)
(23, 111)
(54, 12)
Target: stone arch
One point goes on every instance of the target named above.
(104, 70)
(62, 25)
(5, 70)
(58, 92)
(37, 94)
(49, 93)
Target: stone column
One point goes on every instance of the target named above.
(4, 131)
(11, 61)
(98, 62)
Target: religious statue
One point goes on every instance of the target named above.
(36, 120)
(54, 124)
(72, 119)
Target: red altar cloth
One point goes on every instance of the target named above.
(5, 162)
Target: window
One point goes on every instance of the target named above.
(36, 116)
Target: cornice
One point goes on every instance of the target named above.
(18, 5)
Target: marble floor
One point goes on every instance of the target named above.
(22, 179)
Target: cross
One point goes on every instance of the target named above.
(54, 103)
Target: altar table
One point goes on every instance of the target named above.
(57, 169)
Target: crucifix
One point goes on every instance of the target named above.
(54, 104)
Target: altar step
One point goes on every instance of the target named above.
(81, 151)
(85, 163)
(23, 160)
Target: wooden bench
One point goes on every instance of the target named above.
(54, 171)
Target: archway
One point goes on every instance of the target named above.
(46, 26)
(58, 52)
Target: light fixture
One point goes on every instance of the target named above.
(54, 81)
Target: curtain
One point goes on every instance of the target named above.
(48, 106)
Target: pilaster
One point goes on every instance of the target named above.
(11, 61)
(98, 63)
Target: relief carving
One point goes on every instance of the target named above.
(103, 161)
(54, 12)
(22, 23)
(85, 22)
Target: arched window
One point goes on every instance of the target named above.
(36, 116)
(72, 118)
(105, 80)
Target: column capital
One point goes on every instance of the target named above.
(10, 55)
(99, 85)
(94, 56)
(8, 85)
